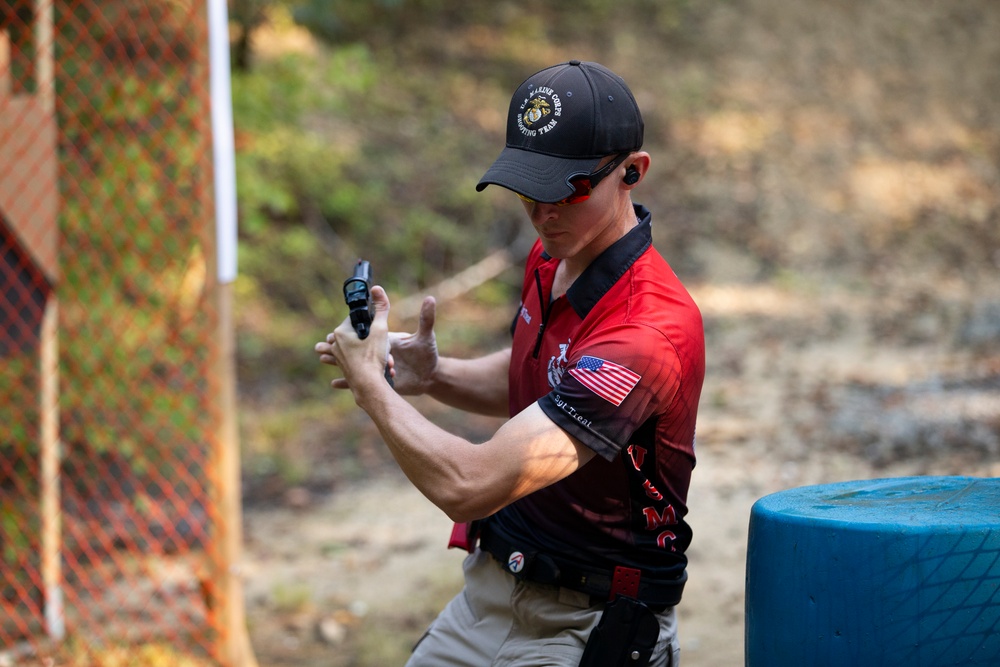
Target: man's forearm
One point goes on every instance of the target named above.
(444, 467)
(471, 480)
(474, 385)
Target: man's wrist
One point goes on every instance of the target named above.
(367, 392)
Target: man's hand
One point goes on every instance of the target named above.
(362, 362)
(415, 356)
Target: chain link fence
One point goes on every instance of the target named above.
(110, 483)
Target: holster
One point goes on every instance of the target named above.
(624, 637)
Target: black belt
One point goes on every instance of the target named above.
(541, 568)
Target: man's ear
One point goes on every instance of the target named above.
(637, 169)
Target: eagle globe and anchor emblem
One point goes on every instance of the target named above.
(557, 365)
(538, 109)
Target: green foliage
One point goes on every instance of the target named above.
(383, 23)
(132, 224)
(291, 597)
(17, 527)
(375, 137)
(18, 405)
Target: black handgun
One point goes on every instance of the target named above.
(358, 295)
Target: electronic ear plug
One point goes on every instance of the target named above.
(631, 175)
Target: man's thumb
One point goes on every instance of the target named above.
(381, 302)
(425, 327)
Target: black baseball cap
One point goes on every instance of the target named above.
(562, 121)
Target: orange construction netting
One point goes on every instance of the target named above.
(109, 324)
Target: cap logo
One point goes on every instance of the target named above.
(540, 112)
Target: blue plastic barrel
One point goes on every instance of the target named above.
(875, 573)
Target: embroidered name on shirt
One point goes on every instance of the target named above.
(609, 380)
(571, 411)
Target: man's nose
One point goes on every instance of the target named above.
(541, 212)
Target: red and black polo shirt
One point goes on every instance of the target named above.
(617, 362)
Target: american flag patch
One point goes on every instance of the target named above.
(606, 379)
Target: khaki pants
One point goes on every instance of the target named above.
(497, 621)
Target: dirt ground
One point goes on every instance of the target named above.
(803, 387)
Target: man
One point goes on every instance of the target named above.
(577, 502)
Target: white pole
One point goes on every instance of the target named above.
(223, 145)
(236, 649)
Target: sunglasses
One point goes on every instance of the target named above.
(583, 185)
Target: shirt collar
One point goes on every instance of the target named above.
(610, 265)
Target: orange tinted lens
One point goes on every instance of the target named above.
(581, 193)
